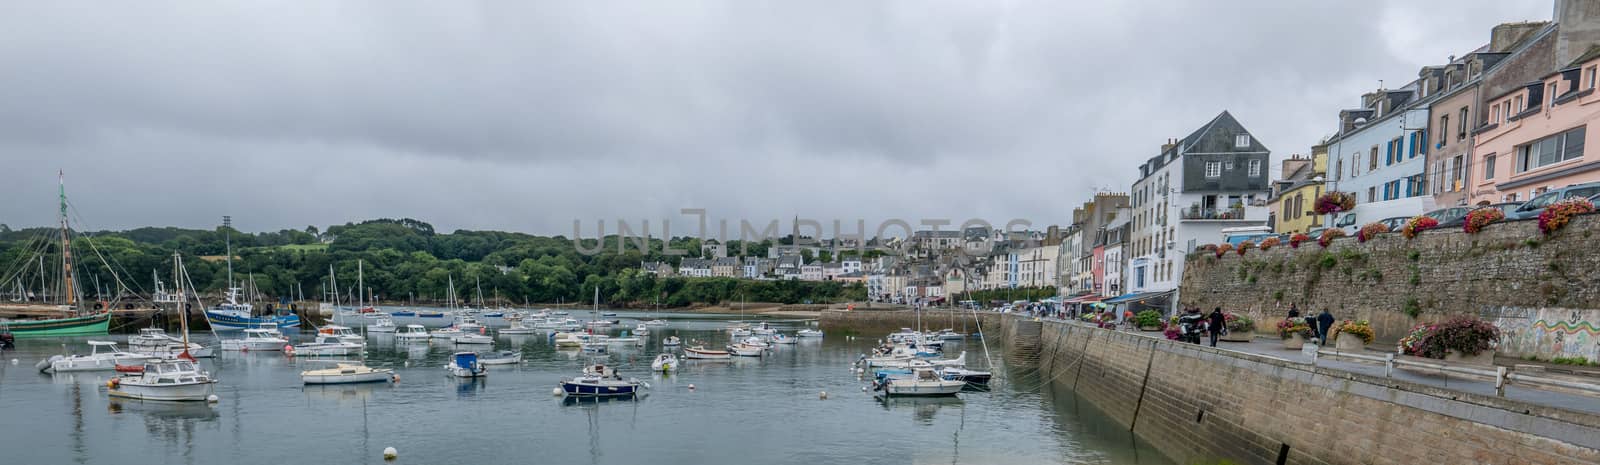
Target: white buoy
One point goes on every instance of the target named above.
(389, 453)
(823, 396)
(213, 398)
(863, 389)
(13, 361)
(555, 391)
(691, 387)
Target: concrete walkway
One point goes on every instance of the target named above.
(1454, 382)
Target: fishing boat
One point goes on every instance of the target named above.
(664, 363)
(808, 333)
(504, 357)
(746, 350)
(702, 353)
(347, 373)
(259, 339)
(342, 333)
(166, 380)
(413, 333)
(671, 341)
(641, 330)
(69, 314)
(103, 356)
(382, 325)
(465, 365)
(325, 345)
(600, 381)
(234, 315)
(922, 382)
(471, 339)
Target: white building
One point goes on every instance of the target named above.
(1213, 179)
(850, 265)
(811, 272)
(695, 268)
(1379, 156)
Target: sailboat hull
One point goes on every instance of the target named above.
(92, 325)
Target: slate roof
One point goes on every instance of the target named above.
(1217, 136)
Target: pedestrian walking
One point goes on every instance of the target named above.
(1217, 323)
(1324, 323)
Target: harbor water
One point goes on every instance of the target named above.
(748, 410)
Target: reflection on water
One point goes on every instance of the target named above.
(763, 410)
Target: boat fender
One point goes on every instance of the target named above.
(555, 392)
(13, 361)
(288, 349)
(395, 378)
(691, 387)
(823, 395)
(113, 383)
(213, 398)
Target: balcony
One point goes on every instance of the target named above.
(1195, 213)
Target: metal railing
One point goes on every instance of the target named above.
(1197, 213)
(1501, 375)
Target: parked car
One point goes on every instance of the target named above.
(1450, 216)
(1506, 208)
(1395, 223)
(1536, 205)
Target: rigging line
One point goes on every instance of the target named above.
(73, 208)
(38, 248)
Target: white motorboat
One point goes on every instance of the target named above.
(545, 323)
(782, 339)
(656, 322)
(347, 373)
(641, 330)
(518, 327)
(413, 333)
(259, 339)
(594, 347)
(904, 335)
(468, 324)
(671, 341)
(382, 325)
(922, 382)
(764, 330)
(149, 337)
(103, 355)
(471, 339)
(446, 333)
(169, 380)
(664, 363)
(559, 313)
(808, 333)
(570, 325)
(465, 365)
(624, 340)
(156, 342)
(702, 353)
(738, 332)
(951, 335)
(746, 350)
(343, 333)
(567, 340)
(504, 357)
(972, 377)
(756, 342)
(327, 344)
(599, 323)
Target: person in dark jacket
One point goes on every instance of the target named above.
(1294, 311)
(1217, 322)
(1324, 323)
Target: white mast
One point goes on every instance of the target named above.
(361, 285)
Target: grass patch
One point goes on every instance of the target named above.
(1277, 295)
(304, 247)
(1413, 308)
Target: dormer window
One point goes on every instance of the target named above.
(1590, 74)
(1241, 141)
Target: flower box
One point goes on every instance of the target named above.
(1150, 328)
(1485, 358)
(1294, 342)
(1350, 344)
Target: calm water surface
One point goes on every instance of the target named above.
(742, 411)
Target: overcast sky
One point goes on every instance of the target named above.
(527, 115)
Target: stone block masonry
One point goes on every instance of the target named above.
(1396, 283)
(1200, 405)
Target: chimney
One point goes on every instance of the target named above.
(1506, 36)
(1293, 163)
(1168, 146)
(1577, 28)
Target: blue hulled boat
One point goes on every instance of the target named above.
(235, 316)
(601, 381)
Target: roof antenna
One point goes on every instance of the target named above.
(1380, 84)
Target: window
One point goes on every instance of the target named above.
(1444, 128)
(1461, 132)
(1241, 141)
(1227, 165)
(1551, 95)
(1456, 174)
(1338, 169)
(1518, 105)
(1494, 113)
(1372, 194)
(1488, 167)
(1372, 164)
(1255, 168)
(1590, 74)
(1550, 150)
(1213, 169)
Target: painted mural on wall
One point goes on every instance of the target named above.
(1547, 333)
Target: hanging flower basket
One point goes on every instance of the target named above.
(1417, 225)
(1370, 231)
(1329, 235)
(1296, 239)
(1268, 243)
(1334, 202)
(1478, 218)
(1557, 215)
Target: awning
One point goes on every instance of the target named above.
(1084, 298)
(1131, 297)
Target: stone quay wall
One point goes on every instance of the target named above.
(1201, 405)
(1544, 290)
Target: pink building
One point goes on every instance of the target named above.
(1534, 136)
(1098, 268)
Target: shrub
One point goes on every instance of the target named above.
(1171, 333)
(1288, 328)
(1412, 343)
(1480, 217)
(1557, 215)
(1334, 202)
(1468, 335)
(1361, 329)
(1296, 239)
(1223, 249)
(1418, 224)
(1267, 243)
(1329, 235)
(1243, 246)
(1147, 318)
(1237, 323)
(1370, 231)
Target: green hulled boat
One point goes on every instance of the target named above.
(92, 325)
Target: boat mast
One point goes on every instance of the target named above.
(66, 243)
(227, 239)
(333, 286)
(183, 314)
(361, 285)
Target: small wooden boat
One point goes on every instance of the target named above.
(465, 365)
(701, 353)
(169, 380)
(347, 373)
(746, 350)
(664, 363)
(504, 357)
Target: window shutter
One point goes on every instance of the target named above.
(1388, 157)
(1423, 138)
(1412, 151)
